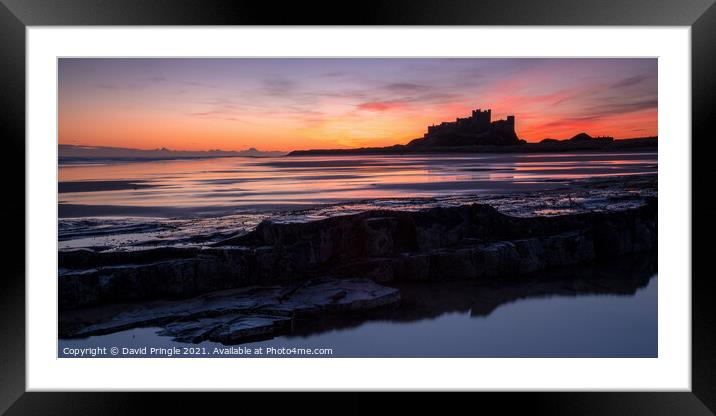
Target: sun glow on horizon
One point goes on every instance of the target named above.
(288, 104)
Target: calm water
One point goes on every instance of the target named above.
(215, 186)
(619, 319)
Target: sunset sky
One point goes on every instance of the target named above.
(287, 104)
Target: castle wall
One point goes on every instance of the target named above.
(478, 123)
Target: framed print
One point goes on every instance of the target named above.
(386, 200)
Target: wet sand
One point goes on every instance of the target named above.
(136, 227)
(98, 186)
(183, 188)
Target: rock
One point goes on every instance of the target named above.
(236, 315)
(378, 236)
(227, 329)
(85, 258)
(462, 242)
(317, 305)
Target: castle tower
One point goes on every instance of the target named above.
(511, 121)
(481, 120)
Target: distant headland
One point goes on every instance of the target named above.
(68, 152)
(479, 134)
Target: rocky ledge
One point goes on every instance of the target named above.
(233, 316)
(463, 242)
(318, 305)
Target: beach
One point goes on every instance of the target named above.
(137, 202)
(269, 251)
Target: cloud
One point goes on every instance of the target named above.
(628, 82)
(334, 74)
(278, 86)
(380, 105)
(219, 108)
(156, 79)
(406, 87)
(612, 108)
(106, 86)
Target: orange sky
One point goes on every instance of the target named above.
(287, 104)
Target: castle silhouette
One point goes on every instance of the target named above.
(478, 129)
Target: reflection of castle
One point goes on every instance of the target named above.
(478, 129)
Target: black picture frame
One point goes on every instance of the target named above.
(16, 15)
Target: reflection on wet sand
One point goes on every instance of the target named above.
(172, 188)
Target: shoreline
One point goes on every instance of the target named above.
(490, 190)
(634, 145)
(131, 229)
